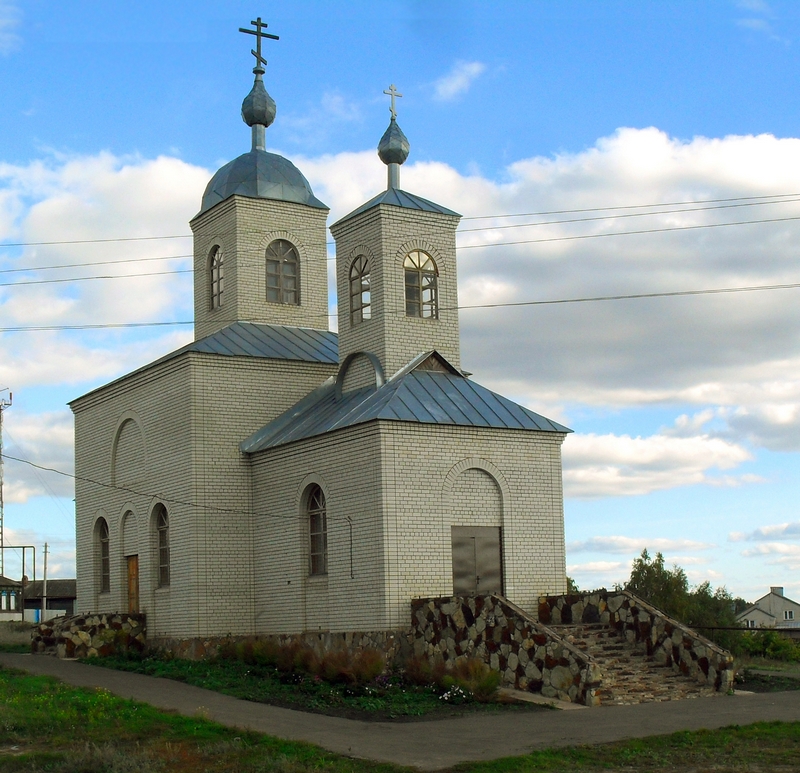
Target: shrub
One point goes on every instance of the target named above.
(475, 677)
(770, 644)
(285, 656)
(424, 671)
(368, 665)
(306, 660)
(265, 652)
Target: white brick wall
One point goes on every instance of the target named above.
(386, 234)
(243, 228)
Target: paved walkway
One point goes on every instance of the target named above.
(434, 744)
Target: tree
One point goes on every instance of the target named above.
(666, 589)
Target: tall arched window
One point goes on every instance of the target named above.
(359, 290)
(217, 277)
(317, 530)
(422, 291)
(283, 270)
(161, 520)
(103, 556)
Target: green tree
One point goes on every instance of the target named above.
(666, 589)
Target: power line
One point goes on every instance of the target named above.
(635, 206)
(91, 263)
(88, 278)
(509, 304)
(775, 198)
(627, 214)
(629, 233)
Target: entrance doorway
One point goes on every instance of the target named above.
(477, 559)
(133, 583)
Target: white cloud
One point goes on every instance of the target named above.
(10, 17)
(60, 559)
(625, 545)
(776, 554)
(756, 6)
(458, 81)
(770, 532)
(620, 465)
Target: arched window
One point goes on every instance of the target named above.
(161, 520)
(422, 291)
(359, 290)
(217, 277)
(103, 556)
(317, 530)
(283, 267)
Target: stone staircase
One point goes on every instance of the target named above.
(629, 675)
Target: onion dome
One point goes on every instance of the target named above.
(258, 106)
(393, 147)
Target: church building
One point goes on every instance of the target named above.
(274, 476)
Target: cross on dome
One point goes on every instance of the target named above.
(260, 34)
(392, 92)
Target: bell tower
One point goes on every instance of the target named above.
(396, 270)
(259, 238)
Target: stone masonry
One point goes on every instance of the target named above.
(85, 636)
(528, 654)
(665, 642)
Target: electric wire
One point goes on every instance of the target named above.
(509, 304)
(91, 263)
(90, 278)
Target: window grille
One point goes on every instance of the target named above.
(788, 614)
(318, 531)
(422, 288)
(217, 278)
(162, 532)
(360, 300)
(105, 556)
(283, 264)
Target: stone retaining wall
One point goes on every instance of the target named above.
(667, 641)
(82, 636)
(392, 645)
(529, 655)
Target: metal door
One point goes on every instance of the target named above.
(477, 559)
(133, 583)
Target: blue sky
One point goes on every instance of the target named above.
(686, 410)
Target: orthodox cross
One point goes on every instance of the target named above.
(259, 33)
(393, 92)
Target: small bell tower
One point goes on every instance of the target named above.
(259, 239)
(396, 270)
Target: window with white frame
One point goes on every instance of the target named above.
(317, 531)
(161, 519)
(422, 285)
(283, 273)
(788, 614)
(360, 300)
(103, 555)
(217, 277)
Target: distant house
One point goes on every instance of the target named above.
(774, 610)
(61, 596)
(10, 599)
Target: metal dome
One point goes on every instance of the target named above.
(260, 175)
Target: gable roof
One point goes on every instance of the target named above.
(419, 396)
(252, 339)
(396, 198)
(56, 589)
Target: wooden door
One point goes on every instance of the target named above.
(133, 583)
(477, 559)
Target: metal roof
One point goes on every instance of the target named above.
(64, 589)
(260, 175)
(396, 198)
(251, 339)
(276, 342)
(419, 396)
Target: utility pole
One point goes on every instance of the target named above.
(44, 586)
(3, 405)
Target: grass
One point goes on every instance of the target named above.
(48, 726)
(385, 698)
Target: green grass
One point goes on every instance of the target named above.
(48, 726)
(384, 699)
(764, 746)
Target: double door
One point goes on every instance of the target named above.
(477, 559)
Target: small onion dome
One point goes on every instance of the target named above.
(393, 147)
(258, 106)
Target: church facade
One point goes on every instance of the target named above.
(273, 476)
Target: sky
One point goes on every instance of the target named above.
(644, 148)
